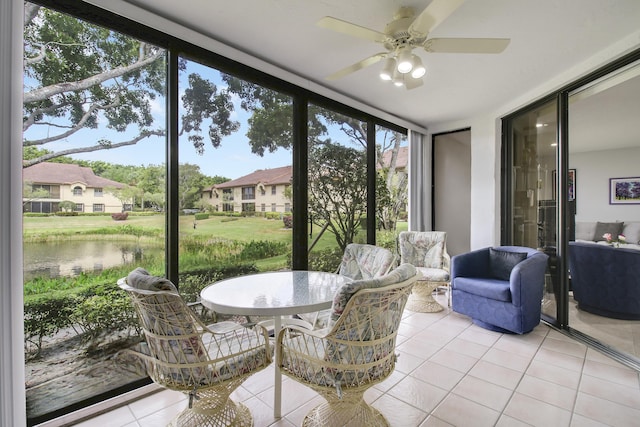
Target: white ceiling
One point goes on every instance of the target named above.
(548, 37)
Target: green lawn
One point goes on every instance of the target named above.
(242, 229)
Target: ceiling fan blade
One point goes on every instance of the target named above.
(466, 45)
(348, 28)
(411, 83)
(357, 66)
(433, 15)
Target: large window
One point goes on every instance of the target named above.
(75, 319)
(223, 118)
(183, 214)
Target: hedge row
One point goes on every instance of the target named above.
(103, 308)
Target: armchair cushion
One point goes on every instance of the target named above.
(362, 261)
(423, 249)
(615, 228)
(346, 291)
(494, 289)
(502, 262)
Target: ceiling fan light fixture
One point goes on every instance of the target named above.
(418, 69)
(388, 69)
(398, 79)
(405, 60)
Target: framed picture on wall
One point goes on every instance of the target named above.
(624, 191)
(572, 184)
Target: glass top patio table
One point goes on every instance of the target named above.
(274, 294)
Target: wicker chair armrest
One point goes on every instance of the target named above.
(223, 327)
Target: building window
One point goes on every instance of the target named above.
(227, 195)
(248, 193)
(77, 191)
(39, 190)
(273, 207)
(79, 207)
(262, 191)
(263, 207)
(127, 207)
(227, 207)
(248, 207)
(98, 207)
(287, 207)
(97, 192)
(273, 190)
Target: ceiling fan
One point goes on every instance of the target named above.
(405, 33)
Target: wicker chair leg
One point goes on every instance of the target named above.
(351, 410)
(421, 299)
(213, 410)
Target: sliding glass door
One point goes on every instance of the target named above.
(573, 191)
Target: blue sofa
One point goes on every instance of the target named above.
(511, 306)
(605, 279)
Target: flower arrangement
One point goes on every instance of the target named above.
(609, 239)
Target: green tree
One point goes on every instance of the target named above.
(79, 76)
(191, 182)
(270, 129)
(67, 206)
(338, 189)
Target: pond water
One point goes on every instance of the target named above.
(70, 258)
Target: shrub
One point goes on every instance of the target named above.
(202, 215)
(272, 215)
(103, 313)
(62, 213)
(325, 260)
(45, 316)
(262, 249)
(120, 216)
(288, 221)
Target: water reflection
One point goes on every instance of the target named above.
(55, 259)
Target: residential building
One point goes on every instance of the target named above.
(558, 49)
(69, 182)
(264, 190)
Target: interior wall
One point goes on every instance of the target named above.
(593, 170)
(452, 189)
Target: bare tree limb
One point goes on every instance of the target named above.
(100, 146)
(72, 130)
(47, 92)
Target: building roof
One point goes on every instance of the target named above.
(281, 175)
(401, 161)
(65, 173)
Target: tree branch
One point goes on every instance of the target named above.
(47, 92)
(73, 129)
(97, 147)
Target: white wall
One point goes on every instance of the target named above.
(593, 170)
(452, 189)
(12, 394)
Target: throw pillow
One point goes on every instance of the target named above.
(615, 228)
(502, 262)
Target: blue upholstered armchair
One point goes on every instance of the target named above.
(499, 288)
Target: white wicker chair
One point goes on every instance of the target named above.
(206, 363)
(360, 261)
(355, 352)
(427, 251)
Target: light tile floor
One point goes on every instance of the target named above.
(452, 373)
